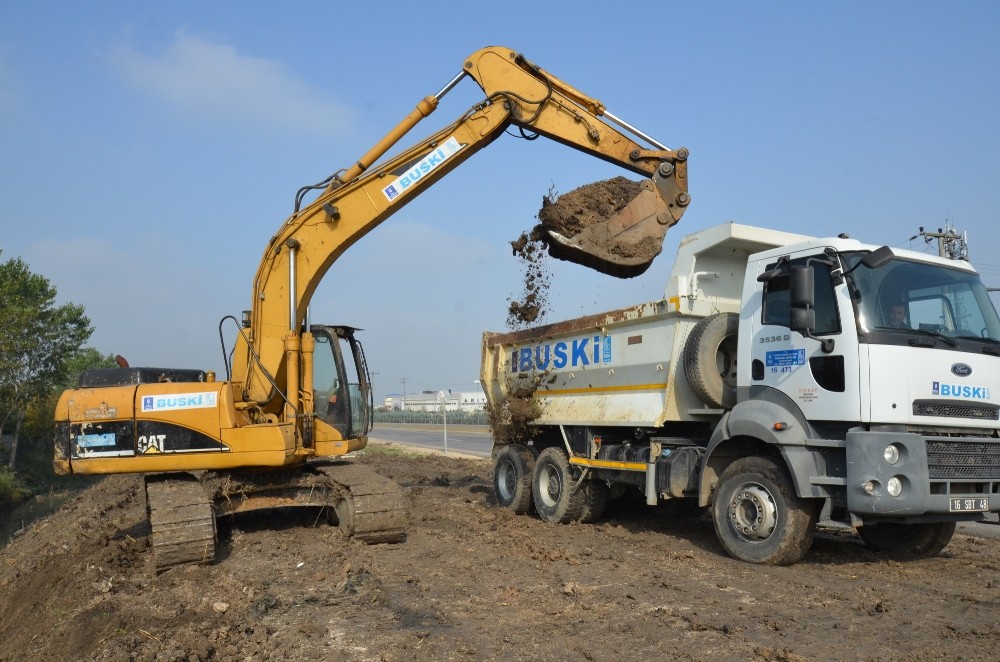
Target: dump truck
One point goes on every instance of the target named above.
(296, 397)
(782, 381)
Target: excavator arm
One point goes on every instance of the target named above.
(518, 94)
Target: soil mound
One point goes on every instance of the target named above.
(475, 582)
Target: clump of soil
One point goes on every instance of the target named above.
(581, 216)
(510, 419)
(533, 305)
(588, 206)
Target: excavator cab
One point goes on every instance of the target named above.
(341, 384)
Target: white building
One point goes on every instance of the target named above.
(467, 401)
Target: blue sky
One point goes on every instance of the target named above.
(148, 152)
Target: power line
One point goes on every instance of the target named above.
(951, 244)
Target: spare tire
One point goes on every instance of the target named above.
(710, 360)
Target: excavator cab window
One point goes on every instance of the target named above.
(342, 394)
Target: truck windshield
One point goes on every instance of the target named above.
(905, 298)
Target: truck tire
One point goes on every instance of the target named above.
(595, 500)
(758, 517)
(512, 471)
(558, 499)
(912, 540)
(710, 360)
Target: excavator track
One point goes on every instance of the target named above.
(366, 506)
(182, 520)
(370, 508)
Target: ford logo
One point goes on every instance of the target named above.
(961, 370)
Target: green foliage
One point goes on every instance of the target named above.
(39, 337)
(38, 346)
(11, 488)
(431, 417)
(39, 420)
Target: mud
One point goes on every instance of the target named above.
(582, 214)
(474, 582)
(588, 206)
(510, 417)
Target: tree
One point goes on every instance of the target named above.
(39, 421)
(38, 341)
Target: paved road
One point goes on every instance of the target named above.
(460, 440)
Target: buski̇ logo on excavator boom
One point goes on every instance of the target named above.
(422, 167)
(562, 354)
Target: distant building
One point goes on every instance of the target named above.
(467, 401)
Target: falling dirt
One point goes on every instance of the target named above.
(476, 582)
(581, 216)
(533, 304)
(510, 417)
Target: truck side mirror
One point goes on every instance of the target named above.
(801, 286)
(878, 257)
(771, 274)
(803, 320)
(802, 293)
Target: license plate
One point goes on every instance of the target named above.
(974, 505)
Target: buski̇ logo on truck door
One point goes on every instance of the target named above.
(563, 354)
(947, 390)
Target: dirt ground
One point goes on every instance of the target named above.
(475, 582)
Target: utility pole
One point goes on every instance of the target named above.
(951, 244)
(444, 417)
(404, 380)
(371, 379)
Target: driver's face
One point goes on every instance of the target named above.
(897, 315)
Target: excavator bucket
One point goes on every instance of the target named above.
(615, 226)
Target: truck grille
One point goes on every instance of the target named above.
(976, 460)
(953, 410)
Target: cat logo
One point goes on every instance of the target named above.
(154, 443)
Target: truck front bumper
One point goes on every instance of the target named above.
(902, 475)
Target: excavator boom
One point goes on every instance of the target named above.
(299, 392)
(358, 199)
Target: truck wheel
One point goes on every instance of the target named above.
(596, 494)
(758, 518)
(710, 360)
(557, 499)
(512, 471)
(915, 540)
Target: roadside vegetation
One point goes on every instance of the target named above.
(431, 417)
(42, 353)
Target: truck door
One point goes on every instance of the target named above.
(823, 382)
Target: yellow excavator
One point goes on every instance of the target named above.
(296, 398)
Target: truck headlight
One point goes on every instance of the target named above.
(894, 486)
(891, 454)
